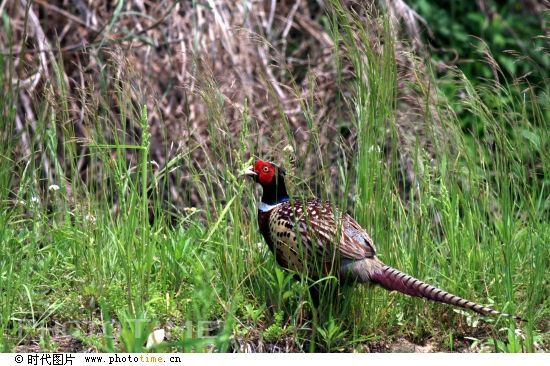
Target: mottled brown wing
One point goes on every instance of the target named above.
(316, 223)
(355, 242)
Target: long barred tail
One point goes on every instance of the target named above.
(395, 280)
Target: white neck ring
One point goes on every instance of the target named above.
(264, 207)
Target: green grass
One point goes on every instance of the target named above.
(110, 260)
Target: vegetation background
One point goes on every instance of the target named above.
(125, 123)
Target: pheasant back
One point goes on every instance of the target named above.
(311, 236)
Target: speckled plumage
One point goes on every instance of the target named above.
(315, 239)
(303, 233)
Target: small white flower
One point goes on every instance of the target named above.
(53, 188)
(189, 210)
(90, 218)
(35, 199)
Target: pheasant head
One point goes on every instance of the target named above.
(271, 178)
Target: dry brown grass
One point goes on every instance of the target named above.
(199, 67)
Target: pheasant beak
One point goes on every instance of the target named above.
(249, 172)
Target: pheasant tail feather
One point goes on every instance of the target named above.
(395, 280)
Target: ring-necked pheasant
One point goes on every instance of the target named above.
(313, 238)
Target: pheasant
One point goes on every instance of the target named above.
(311, 237)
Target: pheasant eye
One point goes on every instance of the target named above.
(265, 169)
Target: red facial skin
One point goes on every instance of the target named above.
(265, 171)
